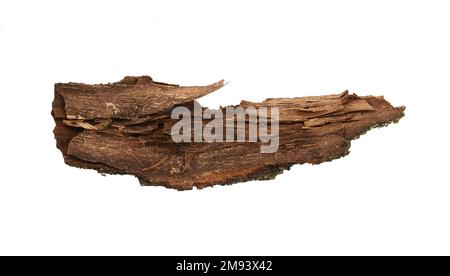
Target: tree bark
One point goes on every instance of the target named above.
(124, 128)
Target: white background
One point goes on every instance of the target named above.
(391, 195)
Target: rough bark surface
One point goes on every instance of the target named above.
(124, 128)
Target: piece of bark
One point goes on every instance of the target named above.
(124, 128)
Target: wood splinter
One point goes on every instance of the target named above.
(126, 127)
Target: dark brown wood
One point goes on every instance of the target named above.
(124, 128)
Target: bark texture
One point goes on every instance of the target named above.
(124, 128)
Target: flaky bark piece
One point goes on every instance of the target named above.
(311, 130)
(131, 98)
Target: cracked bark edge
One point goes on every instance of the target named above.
(124, 128)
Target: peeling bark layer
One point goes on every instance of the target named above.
(124, 128)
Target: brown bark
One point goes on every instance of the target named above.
(124, 128)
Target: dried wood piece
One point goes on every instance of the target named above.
(129, 98)
(125, 127)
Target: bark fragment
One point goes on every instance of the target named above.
(124, 128)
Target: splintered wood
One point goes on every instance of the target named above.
(126, 128)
